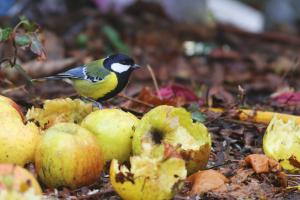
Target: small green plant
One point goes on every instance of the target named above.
(23, 35)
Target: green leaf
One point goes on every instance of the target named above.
(197, 115)
(22, 40)
(23, 73)
(5, 33)
(24, 20)
(115, 39)
(82, 40)
(36, 46)
(27, 24)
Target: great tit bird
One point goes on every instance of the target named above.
(101, 79)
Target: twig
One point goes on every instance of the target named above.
(293, 175)
(154, 81)
(21, 87)
(6, 60)
(225, 163)
(136, 100)
(137, 113)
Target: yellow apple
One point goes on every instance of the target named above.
(10, 102)
(17, 141)
(148, 178)
(59, 110)
(282, 143)
(167, 130)
(114, 130)
(68, 155)
(14, 177)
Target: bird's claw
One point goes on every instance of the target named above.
(94, 102)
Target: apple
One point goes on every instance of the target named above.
(68, 155)
(17, 141)
(16, 195)
(10, 102)
(148, 178)
(17, 178)
(59, 110)
(282, 143)
(114, 130)
(170, 130)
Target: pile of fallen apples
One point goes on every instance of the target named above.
(70, 141)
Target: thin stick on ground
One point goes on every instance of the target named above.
(154, 80)
(228, 162)
(21, 87)
(136, 100)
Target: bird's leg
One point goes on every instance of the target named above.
(94, 102)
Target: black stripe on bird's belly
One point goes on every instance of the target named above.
(122, 82)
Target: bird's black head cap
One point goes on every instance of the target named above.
(119, 63)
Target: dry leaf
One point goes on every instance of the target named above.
(207, 180)
(262, 163)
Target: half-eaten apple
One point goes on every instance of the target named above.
(170, 131)
(148, 178)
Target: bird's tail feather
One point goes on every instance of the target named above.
(56, 77)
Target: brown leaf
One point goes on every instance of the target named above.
(262, 164)
(293, 161)
(207, 180)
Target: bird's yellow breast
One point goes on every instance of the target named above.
(96, 90)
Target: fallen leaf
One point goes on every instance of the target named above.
(177, 90)
(207, 180)
(262, 163)
(147, 95)
(289, 97)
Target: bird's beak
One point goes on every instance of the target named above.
(135, 66)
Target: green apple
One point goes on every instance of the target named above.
(148, 178)
(68, 155)
(114, 130)
(168, 131)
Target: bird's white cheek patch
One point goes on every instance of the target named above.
(119, 68)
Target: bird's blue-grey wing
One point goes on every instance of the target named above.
(75, 73)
